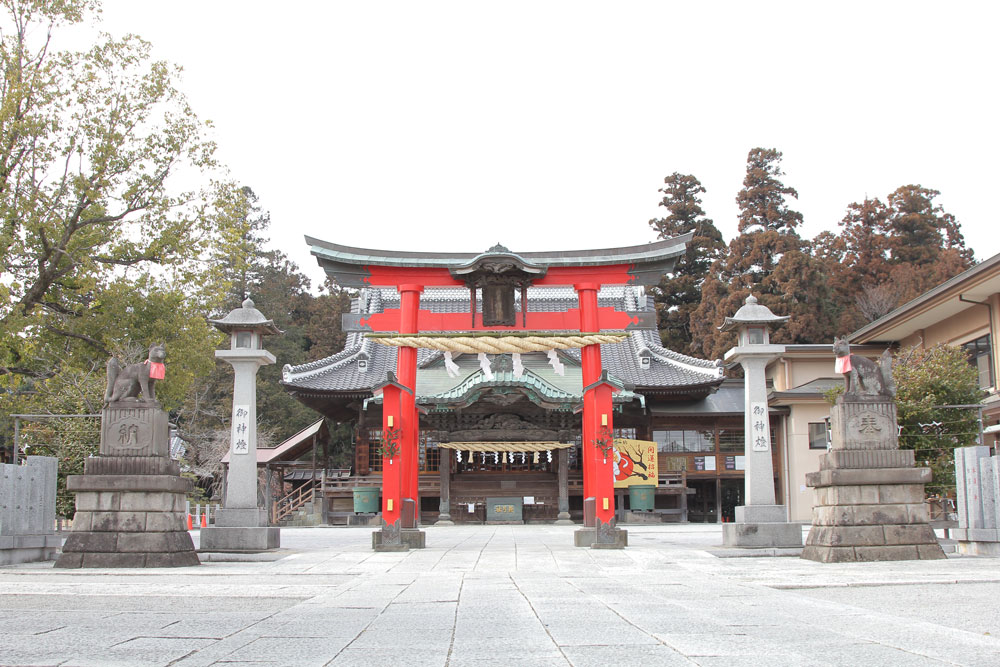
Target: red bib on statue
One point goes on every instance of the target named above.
(843, 364)
(156, 371)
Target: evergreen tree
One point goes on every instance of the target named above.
(891, 253)
(920, 230)
(767, 259)
(679, 294)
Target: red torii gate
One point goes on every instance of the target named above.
(495, 271)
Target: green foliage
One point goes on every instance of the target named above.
(91, 223)
(833, 393)
(927, 379)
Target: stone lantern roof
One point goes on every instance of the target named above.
(246, 317)
(752, 313)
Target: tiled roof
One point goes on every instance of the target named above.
(666, 370)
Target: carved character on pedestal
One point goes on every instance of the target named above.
(861, 374)
(134, 379)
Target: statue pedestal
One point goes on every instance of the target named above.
(869, 496)
(761, 527)
(130, 501)
(240, 531)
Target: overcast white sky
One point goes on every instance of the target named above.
(548, 125)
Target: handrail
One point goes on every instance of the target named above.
(295, 500)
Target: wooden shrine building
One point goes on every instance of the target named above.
(507, 375)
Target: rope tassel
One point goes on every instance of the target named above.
(557, 365)
(484, 363)
(518, 367)
(450, 365)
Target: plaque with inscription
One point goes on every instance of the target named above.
(760, 434)
(241, 426)
(128, 429)
(504, 509)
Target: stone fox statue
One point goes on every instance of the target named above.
(129, 382)
(861, 374)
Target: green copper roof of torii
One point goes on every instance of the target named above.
(647, 252)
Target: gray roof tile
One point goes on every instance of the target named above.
(667, 370)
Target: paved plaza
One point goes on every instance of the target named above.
(506, 595)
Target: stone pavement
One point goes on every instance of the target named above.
(506, 595)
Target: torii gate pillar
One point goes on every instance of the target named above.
(598, 437)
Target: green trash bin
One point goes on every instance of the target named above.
(642, 496)
(366, 499)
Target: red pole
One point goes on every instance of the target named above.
(406, 371)
(590, 357)
(391, 466)
(593, 469)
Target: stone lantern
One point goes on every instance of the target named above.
(759, 521)
(241, 525)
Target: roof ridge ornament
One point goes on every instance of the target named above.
(498, 248)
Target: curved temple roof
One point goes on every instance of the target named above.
(647, 262)
(640, 362)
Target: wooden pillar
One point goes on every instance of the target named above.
(269, 495)
(562, 473)
(312, 477)
(444, 469)
(718, 500)
(361, 445)
(684, 496)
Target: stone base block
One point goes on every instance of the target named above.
(381, 541)
(244, 539)
(976, 548)
(589, 512)
(975, 534)
(587, 537)
(761, 535)
(876, 458)
(128, 549)
(130, 560)
(869, 476)
(826, 554)
(242, 518)
(28, 548)
(128, 521)
(131, 465)
(870, 514)
(413, 538)
(761, 514)
(563, 519)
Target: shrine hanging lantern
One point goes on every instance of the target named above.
(498, 273)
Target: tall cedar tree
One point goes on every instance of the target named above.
(246, 268)
(887, 254)
(679, 294)
(768, 259)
